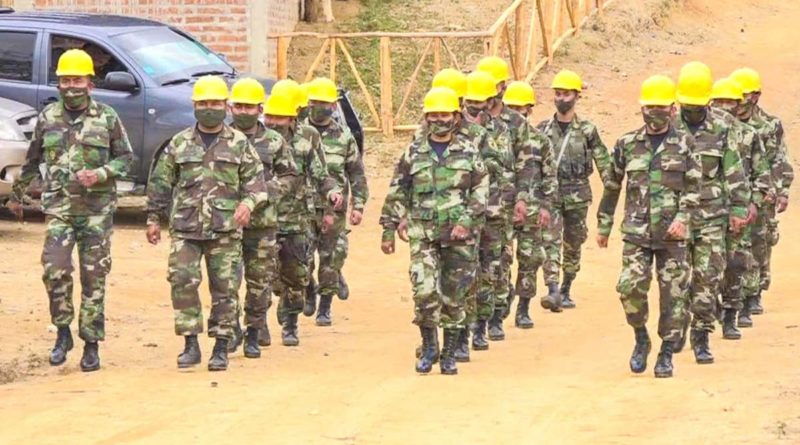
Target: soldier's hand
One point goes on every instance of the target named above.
(402, 230)
(327, 223)
(520, 212)
(87, 178)
(752, 213)
(783, 203)
(356, 216)
(16, 208)
(459, 233)
(338, 200)
(737, 224)
(544, 218)
(770, 198)
(387, 247)
(242, 215)
(677, 230)
(602, 241)
(153, 233)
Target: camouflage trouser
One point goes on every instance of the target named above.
(493, 276)
(567, 231)
(530, 256)
(293, 272)
(93, 236)
(442, 276)
(740, 263)
(765, 236)
(260, 259)
(332, 248)
(672, 271)
(223, 261)
(707, 256)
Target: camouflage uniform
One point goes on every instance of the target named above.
(346, 167)
(202, 187)
(574, 151)
(94, 140)
(662, 187)
(435, 194)
(723, 186)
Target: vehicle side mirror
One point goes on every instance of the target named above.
(120, 81)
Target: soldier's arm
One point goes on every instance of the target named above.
(354, 166)
(323, 183)
(600, 154)
(524, 165)
(611, 190)
(284, 170)
(160, 185)
(786, 171)
(690, 198)
(252, 187)
(549, 172)
(30, 170)
(761, 180)
(121, 153)
(736, 183)
(478, 197)
(397, 199)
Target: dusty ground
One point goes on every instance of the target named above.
(566, 381)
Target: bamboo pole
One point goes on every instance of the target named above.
(317, 60)
(387, 120)
(437, 54)
(412, 80)
(361, 84)
(333, 60)
(282, 67)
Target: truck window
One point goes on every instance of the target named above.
(16, 55)
(104, 62)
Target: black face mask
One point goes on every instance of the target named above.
(441, 128)
(656, 119)
(563, 106)
(475, 111)
(693, 114)
(283, 130)
(319, 114)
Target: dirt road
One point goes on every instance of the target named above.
(564, 382)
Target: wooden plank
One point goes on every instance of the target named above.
(332, 76)
(437, 54)
(530, 56)
(571, 13)
(519, 43)
(376, 34)
(542, 25)
(317, 60)
(282, 67)
(412, 81)
(555, 27)
(562, 38)
(512, 57)
(361, 84)
(387, 122)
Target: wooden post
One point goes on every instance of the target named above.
(387, 119)
(555, 30)
(573, 20)
(543, 25)
(530, 56)
(519, 42)
(281, 67)
(437, 55)
(333, 60)
(512, 57)
(317, 60)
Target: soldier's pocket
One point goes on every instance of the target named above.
(186, 218)
(222, 215)
(673, 172)
(95, 149)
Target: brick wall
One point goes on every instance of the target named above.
(222, 25)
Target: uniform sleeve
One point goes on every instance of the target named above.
(354, 166)
(736, 183)
(252, 187)
(785, 169)
(760, 177)
(690, 199)
(322, 182)
(478, 197)
(600, 154)
(160, 185)
(524, 165)
(549, 173)
(283, 174)
(30, 170)
(611, 190)
(397, 199)
(121, 153)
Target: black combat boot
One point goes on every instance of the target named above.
(237, 338)
(310, 304)
(462, 351)
(552, 300)
(702, 352)
(264, 338)
(744, 315)
(566, 301)
(729, 329)
(479, 342)
(289, 335)
(344, 289)
(496, 332)
(755, 304)
(219, 356)
(418, 350)
(91, 359)
(521, 319)
(63, 345)
(447, 360)
(430, 350)
(324, 310)
(663, 366)
(678, 346)
(191, 352)
(640, 350)
(251, 349)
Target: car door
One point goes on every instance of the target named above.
(19, 69)
(129, 105)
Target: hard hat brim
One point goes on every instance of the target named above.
(693, 100)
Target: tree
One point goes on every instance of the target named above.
(318, 11)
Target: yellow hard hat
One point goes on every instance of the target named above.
(694, 85)
(210, 88)
(247, 91)
(480, 86)
(695, 66)
(748, 79)
(289, 88)
(280, 105)
(440, 100)
(496, 67)
(727, 88)
(323, 89)
(657, 90)
(303, 101)
(567, 80)
(519, 94)
(75, 62)
(453, 79)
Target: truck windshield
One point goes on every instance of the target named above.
(168, 56)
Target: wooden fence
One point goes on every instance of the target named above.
(527, 34)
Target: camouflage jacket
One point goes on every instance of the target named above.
(345, 164)
(436, 194)
(95, 140)
(499, 159)
(724, 188)
(574, 151)
(662, 186)
(754, 162)
(777, 155)
(280, 174)
(545, 178)
(203, 186)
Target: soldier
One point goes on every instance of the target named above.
(440, 185)
(295, 209)
(210, 179)
(345, 166)
(661, 195)
(765, 230)
(726, 96)
(576, 143)
(724, 199)
(259, 244)
(520, 97)
(85, 149)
